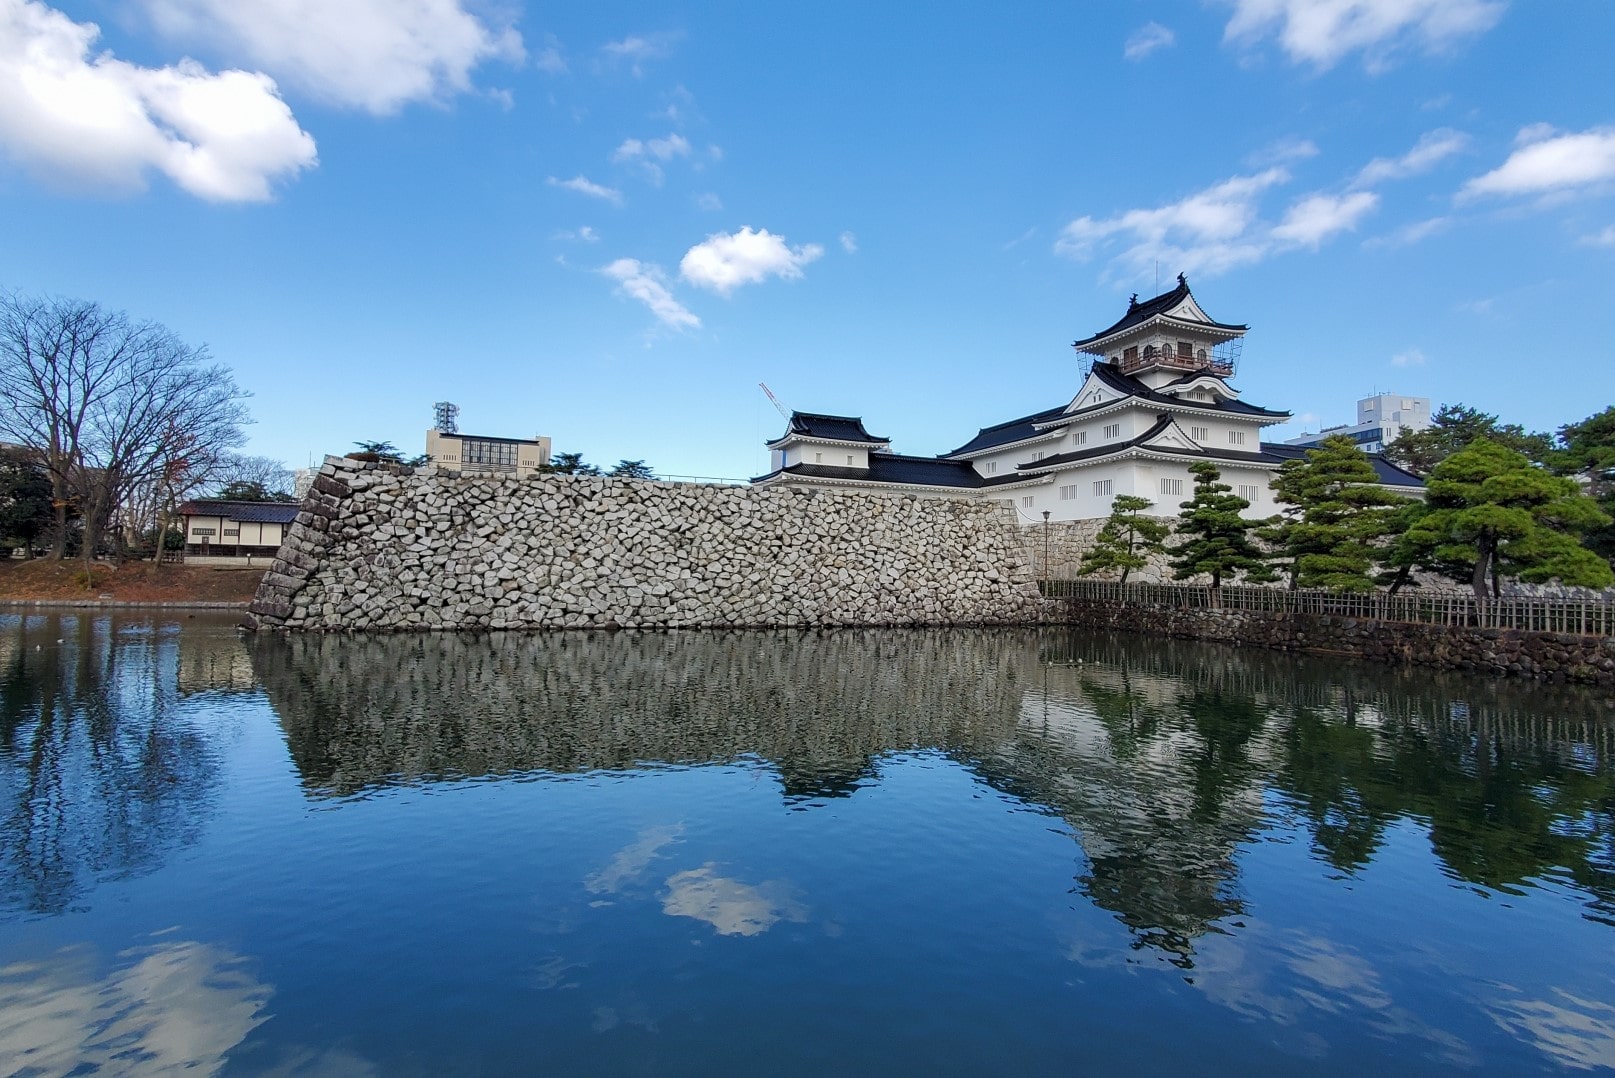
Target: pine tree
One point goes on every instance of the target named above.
(1213, 539)
(1127, 538)
(1332, 537)
(1491, 513)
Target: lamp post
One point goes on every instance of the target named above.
(1047, 574)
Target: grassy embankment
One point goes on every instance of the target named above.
(142, 582)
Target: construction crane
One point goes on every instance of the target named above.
(774, 401)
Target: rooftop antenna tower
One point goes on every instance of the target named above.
(445, 417)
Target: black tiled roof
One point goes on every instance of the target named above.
(1013, 430)
(249, 512)
(837, 428)
(1388, 473)
(896, 468)
(1123, 383)
(1138, 313)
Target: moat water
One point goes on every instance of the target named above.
(1016, 852)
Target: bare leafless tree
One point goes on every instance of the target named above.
(110, 404)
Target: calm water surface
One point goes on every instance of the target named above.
(783, 853)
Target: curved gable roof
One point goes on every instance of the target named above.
(834, 428)
(1140, 312)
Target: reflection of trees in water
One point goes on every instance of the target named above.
(99, 776)
(1160, 755)
(1514, 782)
(361, 711)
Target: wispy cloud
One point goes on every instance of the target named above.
(648, 284)
(637, 49)
(1283, 152)
(1319, 217)
(647, 153)
(1413, 357)
(1208, 231)
(1432, 148)
(1549, 163)
(586, 234)
(1147, 39)
(725, 261)
(585, 186)
(1322, 32)
(551, 59)
(1408, 235)
(849, 243)
(708, 201)
(1606, 238)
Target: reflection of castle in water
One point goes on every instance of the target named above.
(1164, 758)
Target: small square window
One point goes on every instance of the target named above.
(1200, 434)
(1101, 488)
(1236, 437)
(1080, 437)
(1026, 502)
(1247, 492)
(1113, 430)
(1170, 487)
(1068, 493)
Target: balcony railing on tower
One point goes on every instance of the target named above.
(1221, 361)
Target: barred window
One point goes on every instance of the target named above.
(1171, 486)
(1236, 437)
(1026, 502)
(1068, 493)
(1247, 492)
(1101, 488)
(1200, 434)
(1113, 430)
(1080, 438)
(489, 451)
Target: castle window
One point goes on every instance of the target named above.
(1026, 502)
(1236, 437)
(1200, 434)
(1113, 430)
(818, 458)
(1247, 492)
(1171, 486)
(991, 467)
(1080, 438)
(1068, 493)
(1185, 349)
(1037, 456)
(1101, 488)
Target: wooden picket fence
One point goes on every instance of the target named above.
(1585, 617)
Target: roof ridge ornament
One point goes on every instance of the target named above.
(1182, 281)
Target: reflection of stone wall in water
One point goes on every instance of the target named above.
(365, 710)
(378, 548)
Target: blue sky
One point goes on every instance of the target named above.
(607, 223)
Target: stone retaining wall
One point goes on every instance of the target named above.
(379, 547)
(1503, 652)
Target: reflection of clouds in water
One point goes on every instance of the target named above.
(732, 907)
(1292, 979)
(632, 860)
(1575, 1032)
(180, 1005)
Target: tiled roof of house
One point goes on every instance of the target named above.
(1389, 474)
(248, 512)
(1141, 312)
(1008, 432)
(1123, 383)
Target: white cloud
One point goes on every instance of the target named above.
(648, 284)
(1605, 238)
(1408, 235)
(646, 153)
(731, 907)
(1411, 358)
(635, 49)
(551, 59)
(1317, 217)
(1547, 163)
(1322, 32)
(708, 201)
(1146, 39)
(585, 186)
(849, 243)
(725, 261)
(1214, 230)
(225, 137)
(1432, 148)
(378, 55)
(586, 234)
(1282, 152)
(1210, 230)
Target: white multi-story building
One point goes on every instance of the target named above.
(1380, 420)
(1156, 398)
